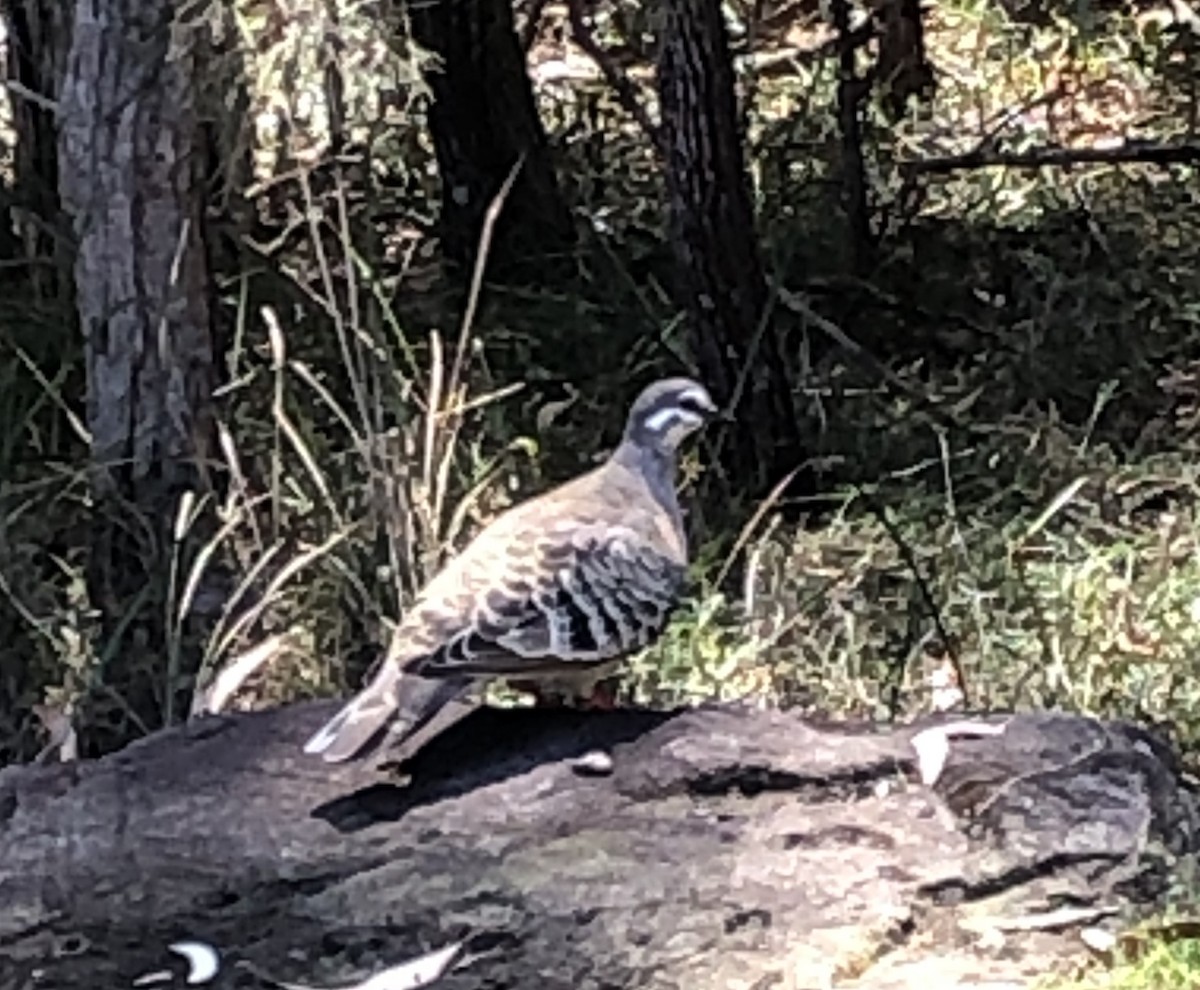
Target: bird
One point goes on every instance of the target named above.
(557, 589)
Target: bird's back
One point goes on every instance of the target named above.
(513, 557)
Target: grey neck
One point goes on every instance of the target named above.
(657, 466)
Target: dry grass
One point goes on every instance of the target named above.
(1015, 496)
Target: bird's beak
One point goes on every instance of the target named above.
(712, 411)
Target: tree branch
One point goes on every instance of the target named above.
(1133, 152)
(627, 94)
(533, 21)
(851, 92)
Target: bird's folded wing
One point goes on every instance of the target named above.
(580, 598)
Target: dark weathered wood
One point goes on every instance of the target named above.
(852, 93)
(39, 37)
(727, 847)
(129, 159)
(719, 272)
(131, 164)
(482, 119)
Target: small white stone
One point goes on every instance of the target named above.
(595, 763)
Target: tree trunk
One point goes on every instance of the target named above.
(720, 279)
(483, 118)
(130, 161)
(39, 37)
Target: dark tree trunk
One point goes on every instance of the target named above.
(225, 122)
(482, 119)
(130, 165)
(902, 69)
(38, 41)
(720, 277)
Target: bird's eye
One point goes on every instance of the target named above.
(689, 403)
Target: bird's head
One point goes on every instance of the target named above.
(666, 412)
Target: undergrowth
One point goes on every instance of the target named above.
(1156, 954)
(1004, 464)
(1164, 964)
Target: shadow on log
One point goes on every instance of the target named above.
(727, 847)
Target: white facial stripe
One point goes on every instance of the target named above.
(698, 396)
(658, 422)
(673, 420)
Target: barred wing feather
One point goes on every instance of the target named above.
(590, 596)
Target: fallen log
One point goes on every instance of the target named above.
(724, 848)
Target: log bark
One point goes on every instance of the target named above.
(726, 847)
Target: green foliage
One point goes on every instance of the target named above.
(1166, 954)
(1166, 964)
(1006, 482)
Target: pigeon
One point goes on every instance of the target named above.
(557, 589)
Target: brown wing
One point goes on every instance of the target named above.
(582, 596)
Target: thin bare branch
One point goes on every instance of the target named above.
(533, 20)
(1132, 153)
(626, 92)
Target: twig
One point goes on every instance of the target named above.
(19, 89)
(926, 593)
(851, 92)
(750, 71)
(796, 57)
(1133, 152)
(481, 257)
(798, 305)
(451, 413)
(627, 95)
(910, 198)
(1047, 100)
(747, 532)
(533, 21)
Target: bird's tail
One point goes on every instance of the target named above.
(396, 700)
